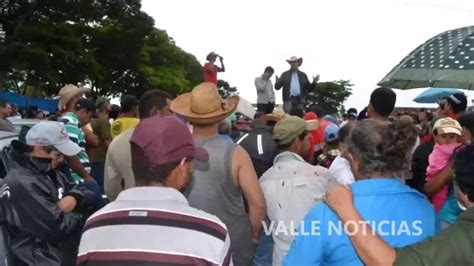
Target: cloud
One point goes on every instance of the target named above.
(357, 40)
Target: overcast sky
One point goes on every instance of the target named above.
(358, 40)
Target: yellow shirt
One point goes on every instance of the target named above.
(121, 124)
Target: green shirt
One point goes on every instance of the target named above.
(452, 246)
(101, 128)
(76, 135)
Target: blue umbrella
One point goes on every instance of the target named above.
(433, 95)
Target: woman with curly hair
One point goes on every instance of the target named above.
(377, 150)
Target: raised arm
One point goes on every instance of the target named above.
(279, 82)
(222, 68)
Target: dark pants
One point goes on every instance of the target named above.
(98, 171)
(267, 108)
(295, 101)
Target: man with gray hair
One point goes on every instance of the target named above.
(225, 130)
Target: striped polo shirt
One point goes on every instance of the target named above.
(73, 128)
(153, 226)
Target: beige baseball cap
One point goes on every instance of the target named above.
(447, 125)
(290, 127)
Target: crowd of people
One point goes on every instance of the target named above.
(168, 180)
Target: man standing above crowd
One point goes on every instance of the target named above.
(265, 93)
(296, 85)
(210, 69)
(129, 118)
(118, 167)
(217, 186)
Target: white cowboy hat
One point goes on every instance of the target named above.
(295, 59)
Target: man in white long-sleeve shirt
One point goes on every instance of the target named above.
(265, 93)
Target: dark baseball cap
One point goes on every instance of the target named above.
(352, 112)
(84, 103)
(165, 140)
(458, 101)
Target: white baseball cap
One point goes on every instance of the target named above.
(49, 133)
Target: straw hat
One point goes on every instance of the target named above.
(203, 105)
(67, 93)
(295, 59)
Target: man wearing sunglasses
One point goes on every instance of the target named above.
(41, 212)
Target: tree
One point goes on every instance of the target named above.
(165, 66)
(108, 45)
(41, 43)
(330, 96)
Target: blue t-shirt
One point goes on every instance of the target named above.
(400, 215)
(295, 89)
(450, 211)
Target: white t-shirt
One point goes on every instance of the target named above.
(341, 170)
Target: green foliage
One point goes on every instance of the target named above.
(111, 46)
(165, 66)
(330, 96)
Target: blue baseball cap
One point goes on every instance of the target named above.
(331, 133)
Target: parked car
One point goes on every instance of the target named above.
(18, 123)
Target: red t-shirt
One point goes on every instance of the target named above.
(210, 72)
(317, 136)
